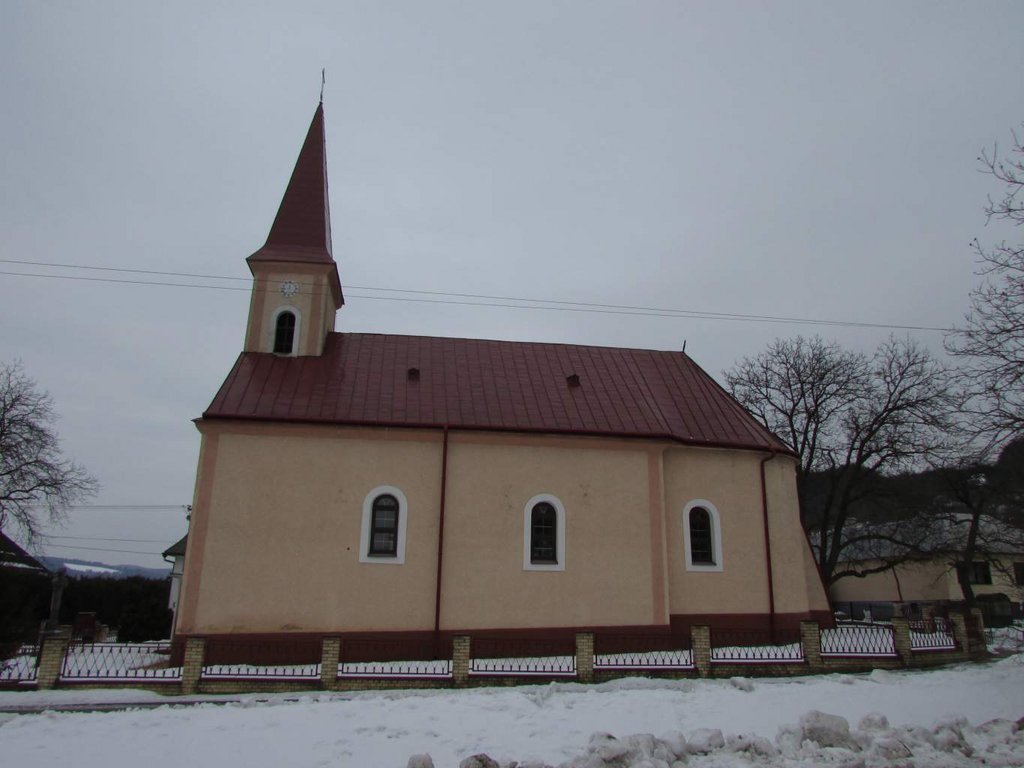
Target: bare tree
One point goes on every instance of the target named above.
(991, 342)
(851, 419)
(36, 481)
(978, 515)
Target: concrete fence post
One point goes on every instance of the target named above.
(959, 625)
(192, 665)
(901, 639)
(53, 649)
(330, 655)
(460, 659)
(976, 633)
(810, 639)
(585, 657)
(700, 644)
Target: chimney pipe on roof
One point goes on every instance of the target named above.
(573, 380)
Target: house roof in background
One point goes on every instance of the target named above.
(13, 556)
(177, 549)
(423, 381)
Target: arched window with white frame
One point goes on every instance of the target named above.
(286, 331)
(702, 536)
(382, 533)
(544, 534)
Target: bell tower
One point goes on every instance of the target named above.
(296, 290)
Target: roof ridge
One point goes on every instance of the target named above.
(518, 342)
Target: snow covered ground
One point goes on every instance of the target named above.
(934, 718)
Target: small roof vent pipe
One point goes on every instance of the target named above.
(573, 380)
(413, 374)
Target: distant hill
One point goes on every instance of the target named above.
(92, 568)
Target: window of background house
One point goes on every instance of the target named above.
(1018, 574)
(977, 573)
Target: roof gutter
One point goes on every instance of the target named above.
(768, 545)
(666, 436)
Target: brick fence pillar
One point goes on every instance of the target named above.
(975, 622)
(810, 639)
(901, 639)
(959, 626)
(700, 643)
(192, 666)
(51, 656)
(460, 659)
(585, 657)
(330, 655)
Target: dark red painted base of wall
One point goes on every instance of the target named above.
(681, 623)
(304, 647)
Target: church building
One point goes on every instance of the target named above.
(409, 485)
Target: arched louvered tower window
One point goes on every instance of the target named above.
(284, 333)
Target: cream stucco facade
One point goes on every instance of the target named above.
(276, 533)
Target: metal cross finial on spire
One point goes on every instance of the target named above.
(323, 82)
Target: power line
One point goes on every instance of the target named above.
(493, 297)
(487, 300)
(101, 549)
(677, 313)
(103, 538)
(115, 507)
(118, 269)
(127, 506)
(123, 282)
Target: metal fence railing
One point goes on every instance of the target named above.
(386, 657)
(119, 661)
(859, 640)
(931, 635)
(278, 658)
(18, 664)
(642, 652)
(518, 656)
(755, 646)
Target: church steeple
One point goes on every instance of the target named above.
(303, 222)
(296, 288)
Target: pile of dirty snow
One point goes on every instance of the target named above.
(818, 739)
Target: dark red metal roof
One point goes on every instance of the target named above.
(303, 222)
(365, 379)
(301, 232)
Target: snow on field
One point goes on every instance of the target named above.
(93, 569)
(921, 718)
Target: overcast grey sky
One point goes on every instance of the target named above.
(801, 159)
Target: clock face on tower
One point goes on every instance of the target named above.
(289, 288)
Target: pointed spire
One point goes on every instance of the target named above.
(302, 228)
